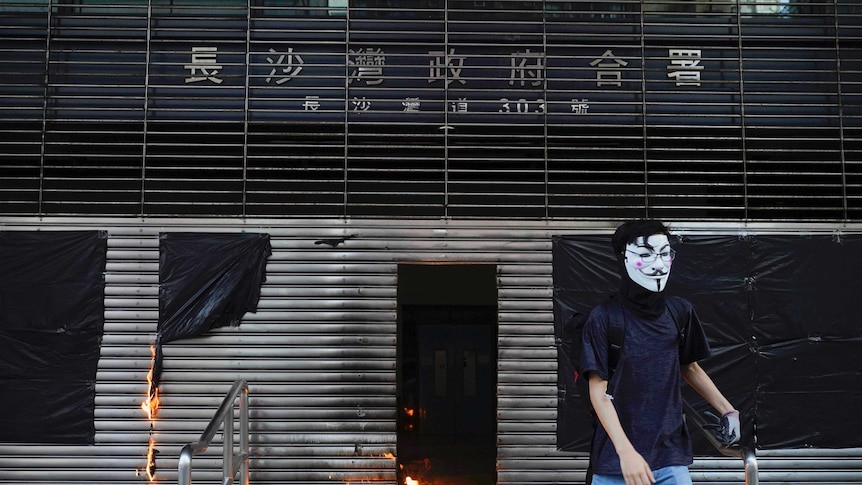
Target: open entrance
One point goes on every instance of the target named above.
(447, 378)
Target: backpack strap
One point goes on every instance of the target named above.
(674, 305)
(616, 337)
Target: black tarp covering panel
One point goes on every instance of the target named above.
(780, 314)
(51, 324)
(207, 281)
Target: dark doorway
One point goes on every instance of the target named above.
(447, 377)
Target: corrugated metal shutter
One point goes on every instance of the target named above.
(320, 358)
(733, 110)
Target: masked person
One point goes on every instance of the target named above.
(642, 437)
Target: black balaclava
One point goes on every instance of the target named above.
(637, 299)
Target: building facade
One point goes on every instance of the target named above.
(374, 140)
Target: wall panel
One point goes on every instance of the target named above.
(320, 353)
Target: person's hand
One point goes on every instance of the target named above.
(635, 469)
(730, 427)
(726, 428)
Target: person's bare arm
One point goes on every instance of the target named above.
(727, 429)
(700, 381)
(635, 469)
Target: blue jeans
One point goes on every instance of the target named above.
(669, 475)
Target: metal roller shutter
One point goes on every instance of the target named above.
(320, 358)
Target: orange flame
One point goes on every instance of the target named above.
(151, 407)
(151, 460)
(408, 422)
(151, 403)
(410, 481)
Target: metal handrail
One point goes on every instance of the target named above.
(223, 416)
(747, 455)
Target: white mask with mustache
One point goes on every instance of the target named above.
(648, 261)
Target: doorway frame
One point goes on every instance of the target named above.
(460, 284)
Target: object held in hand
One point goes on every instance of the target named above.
(726, 427)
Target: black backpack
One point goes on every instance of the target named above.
(616, 358)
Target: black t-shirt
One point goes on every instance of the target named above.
(647, 395)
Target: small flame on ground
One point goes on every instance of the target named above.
(420, 467)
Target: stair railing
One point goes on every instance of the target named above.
(232, 462)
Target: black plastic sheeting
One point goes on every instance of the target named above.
(782, 318)
(207, 281)
(51, 325)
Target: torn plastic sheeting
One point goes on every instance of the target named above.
(207, 281)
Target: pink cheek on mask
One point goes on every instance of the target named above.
(639, 264)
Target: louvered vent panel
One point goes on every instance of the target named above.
(721, 110)
(22, 98)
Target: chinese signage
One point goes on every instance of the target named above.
(519, 77)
